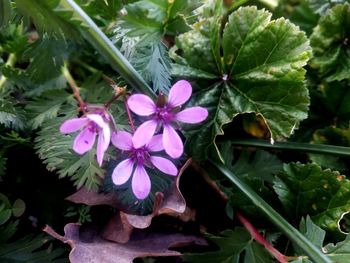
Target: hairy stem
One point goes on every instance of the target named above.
(73, 85)
(260, 239)
(131, 120)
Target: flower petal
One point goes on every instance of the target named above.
(122, 140)
(141, 184)
(96, 118)
(144, 133)
(179, 93)
(156, 143)
(100, 151)
(141, 105)
(172, 142)
(164, 165)
(84, 141)
(73, 125)
(106, 133)
(192, 115)
(122, 172)
(104, 139)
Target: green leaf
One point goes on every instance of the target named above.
(313, 232)
(293, 234)
(331, 136)
(11, 116)
(321, 6)
(45, 19)
(304, 17)
(153, 63)
(307, 189)
(5, 12)
(54, 148)
(260, 57)
(331, 45)
(29, 250)
(234, 245)
(340, 252)
(5, 215)
(255, 169)
(46, 107)
(48, 55)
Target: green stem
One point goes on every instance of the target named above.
(296, 146)
(11, 61)
(101, 42)
(292, 233)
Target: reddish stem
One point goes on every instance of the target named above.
(260, 239)
(118, 91)
(73, 85)
(131, 120)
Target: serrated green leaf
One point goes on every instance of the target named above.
(46, 107)
(29, 250)
(48, 56)
(339, 252)
(304, 17)
(313, 232)
(307, 189)
(261, 73)
(46, 20)
(254, 168)
(153, 63)
(331, 45)
(232, 245)
(11, 116)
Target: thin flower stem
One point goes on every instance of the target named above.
(11, 61)
(131, 120)
(260, 239)
(119, 91)
(73, 85)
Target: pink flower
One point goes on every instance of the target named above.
(139, 157)
(165, 115)
(91, 125)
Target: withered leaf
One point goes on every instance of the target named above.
(141, 244)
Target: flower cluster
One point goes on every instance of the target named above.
(156, 134)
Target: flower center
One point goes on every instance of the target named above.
(93, 127)
(140, 156)
(164, 114)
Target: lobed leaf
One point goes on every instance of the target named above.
(261, 73)
(330, 44)
(234, 246)
(307, 189)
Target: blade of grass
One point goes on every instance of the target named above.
(105, 47)
(292, 233)
(296, 146)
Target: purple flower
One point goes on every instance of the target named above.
(165, 115)
(139, 157)
(92, 124)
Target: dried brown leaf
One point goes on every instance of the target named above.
(98, 250)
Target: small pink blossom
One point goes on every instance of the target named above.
(139, 157)
(90, 125)
(165, 116)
